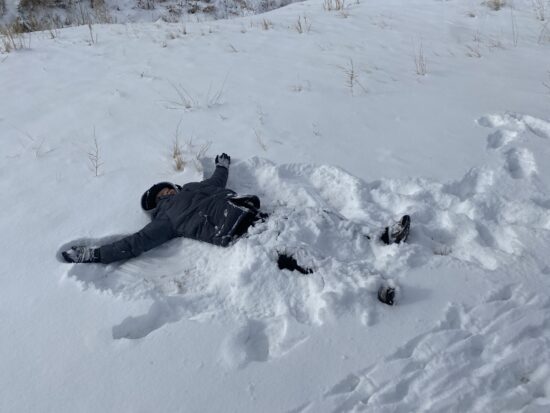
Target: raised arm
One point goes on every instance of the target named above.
(219, 177)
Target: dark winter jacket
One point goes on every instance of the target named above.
(200, 210)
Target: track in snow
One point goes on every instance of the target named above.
(492, 357)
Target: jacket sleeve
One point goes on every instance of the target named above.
(152, 235)
(218, 178)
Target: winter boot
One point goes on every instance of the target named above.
(398, 232)
(386, 294)
(81, 254)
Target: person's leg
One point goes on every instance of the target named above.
(254, 215)
(251, 202)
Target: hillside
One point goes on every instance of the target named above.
(341, 119)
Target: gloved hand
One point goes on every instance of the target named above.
(81, 254)
(223, 160)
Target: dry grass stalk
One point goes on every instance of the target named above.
(101, 13)
(179, 163)
(8, 43)
(443, 250)
(352, 77)
(202, 150)
(515, 36)
(13, 39)
(53, 32)
(146, 4)
(495, 4)
(539, 7)
(177, 151)
(473, 51)
(91, 30)
(185, 101)
(302, 26)
(330, 5)
(200, 155)
(260, 140)
(420, 61)
(93, 157)
(214, 99)
(543, 35)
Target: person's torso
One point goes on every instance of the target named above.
(199, 211)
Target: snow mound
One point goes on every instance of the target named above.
(330, 221)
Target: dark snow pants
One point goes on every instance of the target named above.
(152, 235)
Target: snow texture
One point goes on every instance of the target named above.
(490, 357)
(337, 133)
(480, 220)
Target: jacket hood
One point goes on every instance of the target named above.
(149, 197)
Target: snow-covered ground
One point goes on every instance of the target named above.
(338, 134)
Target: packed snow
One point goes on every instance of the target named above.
(340, 131)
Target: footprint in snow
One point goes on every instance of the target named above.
(261, 341)
(500, 138)
(491, 357)
(520, 163)
(510, 125)
(517, 122)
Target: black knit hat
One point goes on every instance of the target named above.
(149, 198)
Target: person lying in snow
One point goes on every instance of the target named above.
(205, 211)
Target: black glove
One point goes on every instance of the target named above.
(81, 254)
(223, 160)
(288, 262)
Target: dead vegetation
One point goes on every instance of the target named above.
(266, 24)
(337, 5)
(495, 4)
(11, 40)
(302, 25)
(420, 61)
(177, 155)
(94, 158)
(48, 15)
(194, 152)
(352, 77)
(539, 8)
